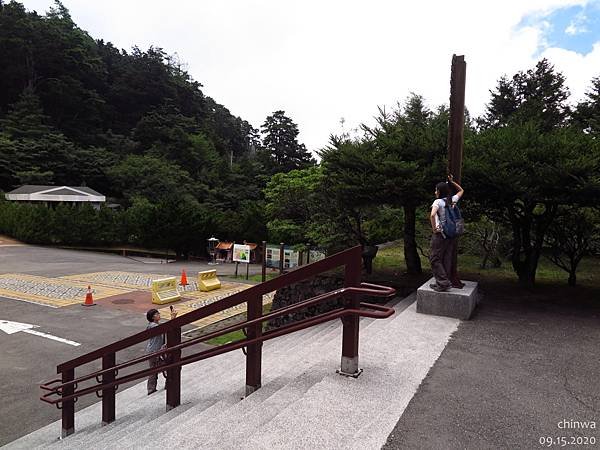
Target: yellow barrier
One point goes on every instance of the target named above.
(208, 281)
(165, 291)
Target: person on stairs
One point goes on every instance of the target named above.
(155, 344)
(442, 247)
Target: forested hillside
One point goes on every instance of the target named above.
(131, 124)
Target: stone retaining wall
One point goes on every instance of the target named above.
(303, 290)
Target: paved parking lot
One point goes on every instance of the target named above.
(44, 288)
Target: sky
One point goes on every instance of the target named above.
(329, 64)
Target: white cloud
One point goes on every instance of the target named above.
(323, 60)
(578, 69)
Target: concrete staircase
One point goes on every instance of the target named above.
(303, 403)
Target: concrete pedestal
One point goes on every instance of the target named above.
(457, 303)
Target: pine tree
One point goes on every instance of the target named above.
(40, 154)
(587, 114)
(502, 106)
(280, 143)
(538, 96)
(26, 120)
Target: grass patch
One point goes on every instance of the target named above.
(239, 334)
(256, 278)
(226, 338)
(390, 262)
(390, 258)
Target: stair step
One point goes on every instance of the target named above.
(297, 369)
(334, 409)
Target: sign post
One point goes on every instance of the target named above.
(241, 254)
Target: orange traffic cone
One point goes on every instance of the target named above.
(89, 300)
(183, 281)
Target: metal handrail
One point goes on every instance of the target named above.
(296, 326)
(299, 274)
(108, 380)
(369, 289)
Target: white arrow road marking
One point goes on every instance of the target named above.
(14, 327)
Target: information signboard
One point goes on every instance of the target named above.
(241, 253)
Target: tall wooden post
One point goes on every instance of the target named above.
(456, 125)
(457, 116)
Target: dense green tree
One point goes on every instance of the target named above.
(587, 114)
(8, 163)
(521, 177)
(502, 106)
(97, 95)
(35, 152)
(16, 51)
(152, 178)
(538, 95)
(246, 222)
(281, 149)
(291, 202)
(133, 125)
(574, 233)
(411, 145)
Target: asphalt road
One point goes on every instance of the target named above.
(27, 360)
(509, 379)
(52, 262)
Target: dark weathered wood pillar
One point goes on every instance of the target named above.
(456, 126)
(174, 374)
(108, 395)
(254, 351)
(456, 123)
(68, 407)
(352, 277)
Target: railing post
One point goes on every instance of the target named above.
(68, 407)
(254, 351)
(174, 375)
(264, 261)
(349, 366)
(108, 395)
(281, 257)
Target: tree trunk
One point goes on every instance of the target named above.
(572, 278)
(411, 255)
(368, 255)
(527, 246)
(522, 253)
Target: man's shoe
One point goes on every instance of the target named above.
(437, 288)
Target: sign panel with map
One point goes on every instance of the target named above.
(241, 253)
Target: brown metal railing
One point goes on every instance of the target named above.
(64, 392)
